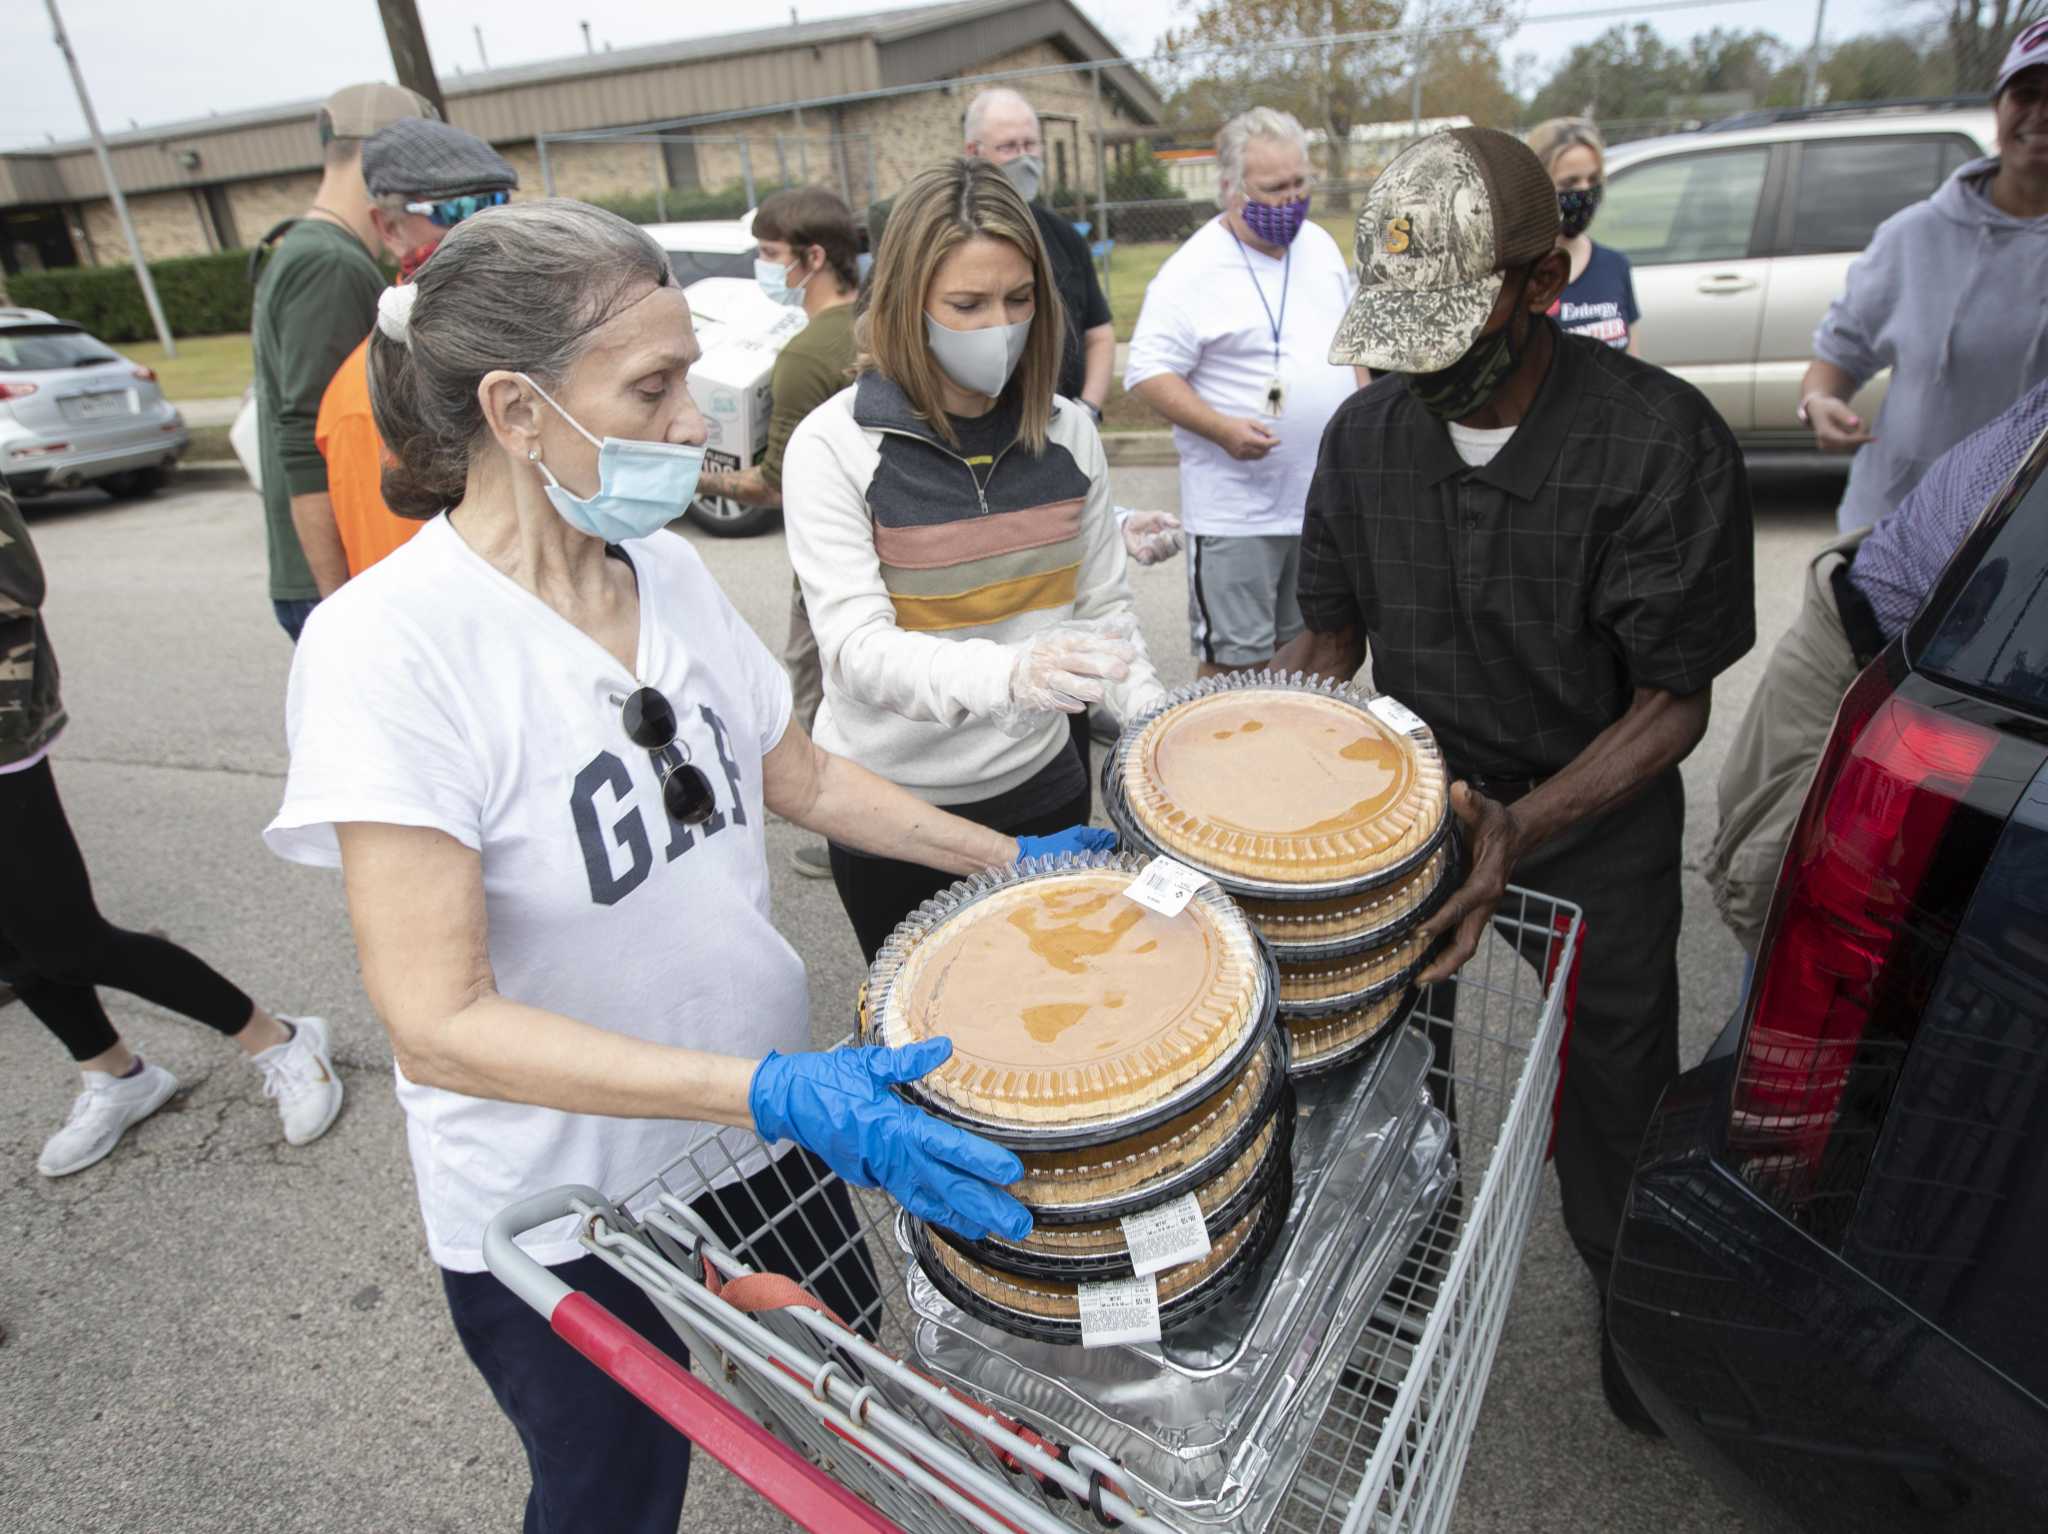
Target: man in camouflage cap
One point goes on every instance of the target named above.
(1546, 545)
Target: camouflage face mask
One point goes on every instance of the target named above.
(1463, 388)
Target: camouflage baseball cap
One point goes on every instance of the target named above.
(1444, 220)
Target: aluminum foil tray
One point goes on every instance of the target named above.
(1214, 1423)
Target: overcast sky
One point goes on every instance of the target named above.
(156, 61)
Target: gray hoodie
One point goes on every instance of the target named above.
(1952, 296)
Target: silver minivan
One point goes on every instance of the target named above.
(1741, 237)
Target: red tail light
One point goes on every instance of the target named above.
(147, 375)
(16, 390)
(1835, 975)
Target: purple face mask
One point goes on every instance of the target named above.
(1275, 225)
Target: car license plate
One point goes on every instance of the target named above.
(93, 407)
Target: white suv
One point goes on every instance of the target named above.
(1741, 236)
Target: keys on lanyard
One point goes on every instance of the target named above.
(1273, 403)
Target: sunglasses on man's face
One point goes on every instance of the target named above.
(651, 725)
(449, 211)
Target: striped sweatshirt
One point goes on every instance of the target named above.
(921, 581)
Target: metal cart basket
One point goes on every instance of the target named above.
(857, 1437)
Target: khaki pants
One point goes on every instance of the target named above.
(1777, 747)
(800, 659)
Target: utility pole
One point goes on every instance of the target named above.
(409, 54)
(482, 57)
(586, 36)
(99, 149)
(1415, 85)
(1820, 11)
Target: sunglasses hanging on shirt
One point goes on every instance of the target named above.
(650, 724)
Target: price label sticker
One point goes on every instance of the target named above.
(1396, 715)
(1167, 1236)
(1165, 886)
(1123, 1310)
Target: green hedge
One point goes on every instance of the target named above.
(201, 295)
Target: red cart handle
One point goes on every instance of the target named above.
(764, 1462)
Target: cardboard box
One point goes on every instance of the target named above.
(741, 330)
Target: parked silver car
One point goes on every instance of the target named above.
(75, 412)
(1742, 235)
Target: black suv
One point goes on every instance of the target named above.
(1831, 1287)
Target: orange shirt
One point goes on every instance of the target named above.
(348, 440)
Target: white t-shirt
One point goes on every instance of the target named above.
(433, 690)
(1203, 321)
(1478, 445)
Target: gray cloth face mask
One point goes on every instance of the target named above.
(1024, 173)
(979, 361)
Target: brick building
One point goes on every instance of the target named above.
(725, 104)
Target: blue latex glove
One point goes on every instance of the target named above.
(837, 1104)
(1073, 839)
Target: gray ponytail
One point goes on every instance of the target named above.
(520, 288)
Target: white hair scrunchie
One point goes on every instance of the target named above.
(394, 311)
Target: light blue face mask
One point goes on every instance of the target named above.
(641, 486)
(774, 282)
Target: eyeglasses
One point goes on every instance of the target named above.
(449, 211)
(651, 725)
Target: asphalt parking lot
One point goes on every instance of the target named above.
(213, 1332)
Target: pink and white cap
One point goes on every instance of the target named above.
(2028, 50)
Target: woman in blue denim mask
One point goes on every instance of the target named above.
(1599, 300)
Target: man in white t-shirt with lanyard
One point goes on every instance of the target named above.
(1232, 346)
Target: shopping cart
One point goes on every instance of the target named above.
(858, 1437)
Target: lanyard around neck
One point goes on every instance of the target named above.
(1286, 271)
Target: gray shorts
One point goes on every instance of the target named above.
(1241, 601)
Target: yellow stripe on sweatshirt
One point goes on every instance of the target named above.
(988, 604)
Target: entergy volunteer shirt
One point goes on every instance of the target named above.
(433, 690)
(1601, 304)
(1203, 321)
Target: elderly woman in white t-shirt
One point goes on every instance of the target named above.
(541, 744)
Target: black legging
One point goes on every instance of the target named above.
(879, 892)
(55, 946)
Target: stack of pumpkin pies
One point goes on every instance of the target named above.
(1325, 813)
(1131, 1060)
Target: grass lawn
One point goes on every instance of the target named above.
(206, 367)
(209, 445)
(1132, 267)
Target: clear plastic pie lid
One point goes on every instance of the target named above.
(1325, 1042)
(1288, 787)
(1050, 1309)
(1100, 1250)
(1144, 1170)
(1300, 930)
(1077, 1015)
(1326, 987)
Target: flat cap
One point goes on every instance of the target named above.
(418, 158)
(360, 111)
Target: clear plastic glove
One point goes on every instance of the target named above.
(1063, 669)
(1073, 839)
(837, 1105)
(1150, 536)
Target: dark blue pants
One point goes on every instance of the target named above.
(292, 613)
(602, 1463)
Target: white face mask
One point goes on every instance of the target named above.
(979, 361)
(641, 486)
(774, 281)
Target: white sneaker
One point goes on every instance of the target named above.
(300, 1074)
(101, 1114)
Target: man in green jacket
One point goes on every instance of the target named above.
(315, 301)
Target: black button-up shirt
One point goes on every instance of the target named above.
(1517, 606)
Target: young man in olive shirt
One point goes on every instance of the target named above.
(315, 301)
(1547, 545)
(809, 254)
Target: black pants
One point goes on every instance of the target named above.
(55, 946)
(879, 892)
(1622, 871)
(600, 1460)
